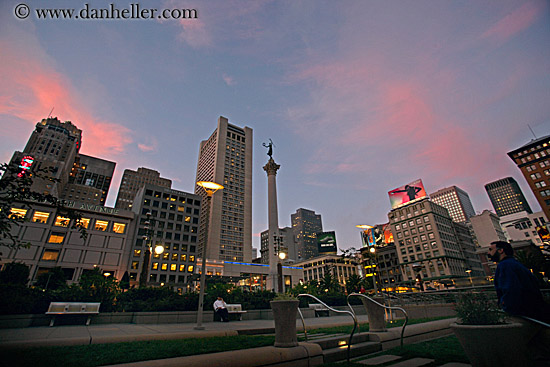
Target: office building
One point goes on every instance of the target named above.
(132, 181)
(173, 223)
(52, 149)
(486, 228)
(89, 180)
(533, 159)
(338, 267)
(306, 224)
(430, 246)
(456, 201)
(522, 226)
(53, 242)
(285, 243)
(507, 197)
(226, 158)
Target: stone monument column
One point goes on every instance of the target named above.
(273, 221)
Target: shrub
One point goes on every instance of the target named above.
(478, 309)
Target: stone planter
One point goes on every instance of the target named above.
(376, 314)
(493, 345)
(284, 315)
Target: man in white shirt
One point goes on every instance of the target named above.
(221, 309)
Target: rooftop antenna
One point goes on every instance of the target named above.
(531, 131)
(51, 112)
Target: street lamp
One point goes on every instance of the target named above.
(159, 249)
(282, 256)
(210, 188)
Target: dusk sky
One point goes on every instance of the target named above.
(359, 97)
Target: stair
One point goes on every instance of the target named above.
(335, 347)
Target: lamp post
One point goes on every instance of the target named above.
(159, 249)
(282, 256)
(210, 188)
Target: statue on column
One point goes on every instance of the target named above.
(269, 148)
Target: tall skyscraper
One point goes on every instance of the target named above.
(53, 146)
(226, 158)
(533, 159)
(456, 201)
(306, 224)
(89, 180)
(507, 197)
(132, 181)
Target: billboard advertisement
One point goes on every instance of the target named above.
(326, 242)
(379, 235)
(406, 194)
(367, 237)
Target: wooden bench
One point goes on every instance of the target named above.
(73, 308)
(235, 312)
(320, 310)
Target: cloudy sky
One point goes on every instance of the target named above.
(359, 97)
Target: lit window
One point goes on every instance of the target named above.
(84, 222)
(137, 253)
(135, 264)
(173, 267)
(18, 213)
(165, 255)
(40, 217)
(183, 257)
(119, 227)
(192, 258)
(155, 266)
(164, 267)
(101, 225)
(188, 219)
(61, 221)
(50, 255)
(190, 268)
(181, 209)
(56, 237)
(182, 267)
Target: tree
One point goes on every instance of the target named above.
(16, 188)
(53, 279)
(329, 284)
(99, 288)
(354, 283)
(15, 273)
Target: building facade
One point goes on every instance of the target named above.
(456, 201)
(507, 197)
(54, 243)
(285, 243)
(226, 158)
(428, 245)
(173, 222)
(305, 225)
(533, 159)
(89, 180)
(486, 229)
(339, 267)
(132, 181)
(522, 226)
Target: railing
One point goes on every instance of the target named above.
(386, 308)
(352, 314)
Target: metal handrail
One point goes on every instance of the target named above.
(352, 314)
(384, 306)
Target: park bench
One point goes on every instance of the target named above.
(73, 308)
(235, 312)
(320, 310)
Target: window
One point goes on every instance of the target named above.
(190, 268)
(192, 258)
(101, 225)
(137, 253)
(540, 184)
(155, 266)
(535, 176)
(61, 221)
(183, 257)
(50, 255)
(174, 257)
(83, 222)
(182, 267)
(18, 213)
(119, 227)
(40, 217)
(164, 266)
(165, 255)
(173, 267)
(135, 264)
(56, 237)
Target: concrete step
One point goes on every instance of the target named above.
(356, 350)
(414, 362)
(337, 341)
(376, 361)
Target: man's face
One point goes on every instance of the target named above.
(494, 253)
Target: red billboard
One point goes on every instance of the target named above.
(405, 194)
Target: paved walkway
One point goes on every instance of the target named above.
(116, 333)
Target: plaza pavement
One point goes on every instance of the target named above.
(116, 333)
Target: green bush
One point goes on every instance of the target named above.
(18, 299)
(478, 309)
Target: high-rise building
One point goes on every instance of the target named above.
(522, 226)
(533, 159)
(52, 148)
(486, 229)
(89, 180)
(456, 201)
(173, 223)
(132, 181)
(507, 197)
(430, 246)
(226, 158)
(285, 243)
(306, 224)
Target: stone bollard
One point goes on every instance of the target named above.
(376, 314)
(284, 315)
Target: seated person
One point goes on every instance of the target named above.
(221, 309)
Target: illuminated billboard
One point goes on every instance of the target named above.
(379, 235)
(367, 237)
(406, 194)
(326, 242)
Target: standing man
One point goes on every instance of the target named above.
(221, 309)
(517, 288)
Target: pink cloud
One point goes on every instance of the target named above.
(31, 87)
(515, 22)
